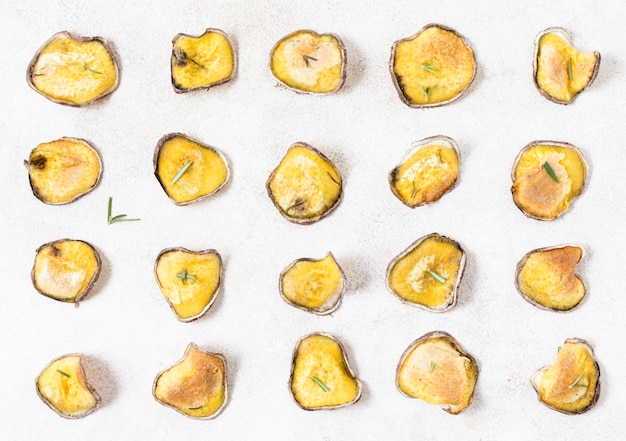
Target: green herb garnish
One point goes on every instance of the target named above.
(575, 383)
(432, 366)
(182, 58)
(182, 170)
(119, 217)
(436, 276)
(194, 408)
(63, 373)
(412, 189)
(307, 58)
(297, 204)
(429, 67)
(550, 172)
(333, 179)
(427, 91)
(569, 69)
(320, 384)
(184, 275)
(85, 67)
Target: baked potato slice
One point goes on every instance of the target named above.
(305, 187)
(188, 170)
(572, 384)
(560, 71)
(61, 171)
(546, 278)
(313, 285)
(196, 386)
(73, 70)
(66, 270)
(427, 274)
(321, 377)
(435, 369)
(547, 176)
(428, 171)
(432, 68)
(201, 62)
(63, 387)
(311, 63)
(189, 280)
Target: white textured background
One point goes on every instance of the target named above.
(125, 328)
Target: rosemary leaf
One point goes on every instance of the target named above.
(550, 172)
(432, 366)
(181, 171)
(429, 67)
(320, 384)
(575, 383)
(63, 373)
(436, 276)
(307, 58)
(569, 69)
(333, 179)
(119, 217)
(297, 204)
(184, 275)
(427, 91)
(85, 67)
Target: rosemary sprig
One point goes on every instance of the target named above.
(307, 58)
(436, 276)
(184, 275)
(432, 366)
(181, 58)
(332, 179)
(297, 204)
(575, 383)
(320, 384)
(181, 171)
(85, 67)
(119, 217)
(569, 69)
(427, 91)
(429, 67)
(63, 373)
(550, 172)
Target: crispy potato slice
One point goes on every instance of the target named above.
(196, 386)
(307, 62)
(433, 67)
(560, 71)
(188, 170)
(434, 368)
(572, 384)
(314, 285)
(547, 177)
(545, 277)
(189, 280)
(66, 270)
(427, 274)
(321, 377)
(61, 171)
(73, 70)
(428, 171)
(62, 385)
(201, 62)
(305, 187)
